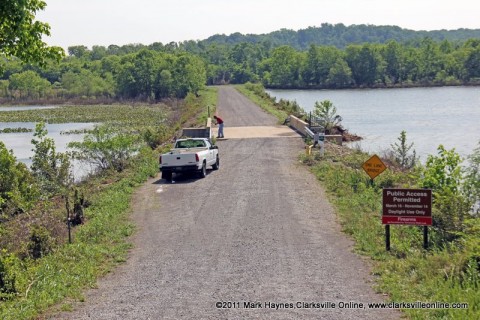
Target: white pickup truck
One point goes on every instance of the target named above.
(190, 155)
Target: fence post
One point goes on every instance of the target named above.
(425, 237)
(387, 237)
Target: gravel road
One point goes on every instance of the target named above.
(258, 230)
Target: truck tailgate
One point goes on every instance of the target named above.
(178, 159)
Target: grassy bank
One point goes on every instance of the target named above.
(37, 285)
(407, 273)
(449, 272)
(255, 93)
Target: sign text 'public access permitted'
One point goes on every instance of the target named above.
(407, 206)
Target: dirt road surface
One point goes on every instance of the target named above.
(258, 230)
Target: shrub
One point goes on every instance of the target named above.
(327, 113)
(107, 148)
(471, 187)
(40, 243)
(401, 152)
(443, 174)
(51, 169)
(18, 190)
(10, 271)
(155, 136)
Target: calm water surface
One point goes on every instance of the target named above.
(22, 147)
(22, 108)
(430, 116)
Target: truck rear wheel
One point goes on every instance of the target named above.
(216, 165)
(167, 176)
(203, 172)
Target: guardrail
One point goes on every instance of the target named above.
(302, 127)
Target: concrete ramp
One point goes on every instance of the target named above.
(257, 132)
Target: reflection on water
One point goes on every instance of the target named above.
(430, 116)
(22, 147)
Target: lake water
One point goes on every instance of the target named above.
(22, 108)
(430, 116)
(22, 147)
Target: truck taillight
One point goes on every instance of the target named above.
(196, 157)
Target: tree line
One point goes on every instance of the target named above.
(340, 36)
(172, 70)
(330, 56)
(367, 65)
(141, 74)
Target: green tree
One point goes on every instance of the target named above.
(327, 112)
(50, 168)
(137, 76)
(106, 148)
(29, 84)
(443, 174)
(365, 63)
(431, 60)
(88, 84)
(189, 75)
(318, 63)
(340, 75)
(21, 36)
(392, 55)
(285, 64)
(4, 85)
(98, 52)
(78, 51)
(401, 152)
(472, 64)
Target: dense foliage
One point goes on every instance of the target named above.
(18, 191)
(160, 71)
(340, 36)
(50, 168)
(107, 148)
(21, 35)
(141, 75)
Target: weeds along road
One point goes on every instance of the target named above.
(257, 230)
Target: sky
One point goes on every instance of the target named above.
(102, 22)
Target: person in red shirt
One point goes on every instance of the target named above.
(220, 126)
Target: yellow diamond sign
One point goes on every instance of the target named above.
(374, 166)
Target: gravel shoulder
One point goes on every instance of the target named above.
(258, 230)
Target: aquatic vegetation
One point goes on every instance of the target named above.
(15, 130)
(141, 115)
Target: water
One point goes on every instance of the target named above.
(22, 147)
(430, 116)
(22, 108)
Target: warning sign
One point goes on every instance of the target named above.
(407, 206)
(374, 166)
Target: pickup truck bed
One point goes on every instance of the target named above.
(189, 155)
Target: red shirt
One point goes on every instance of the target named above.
(219, 120)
